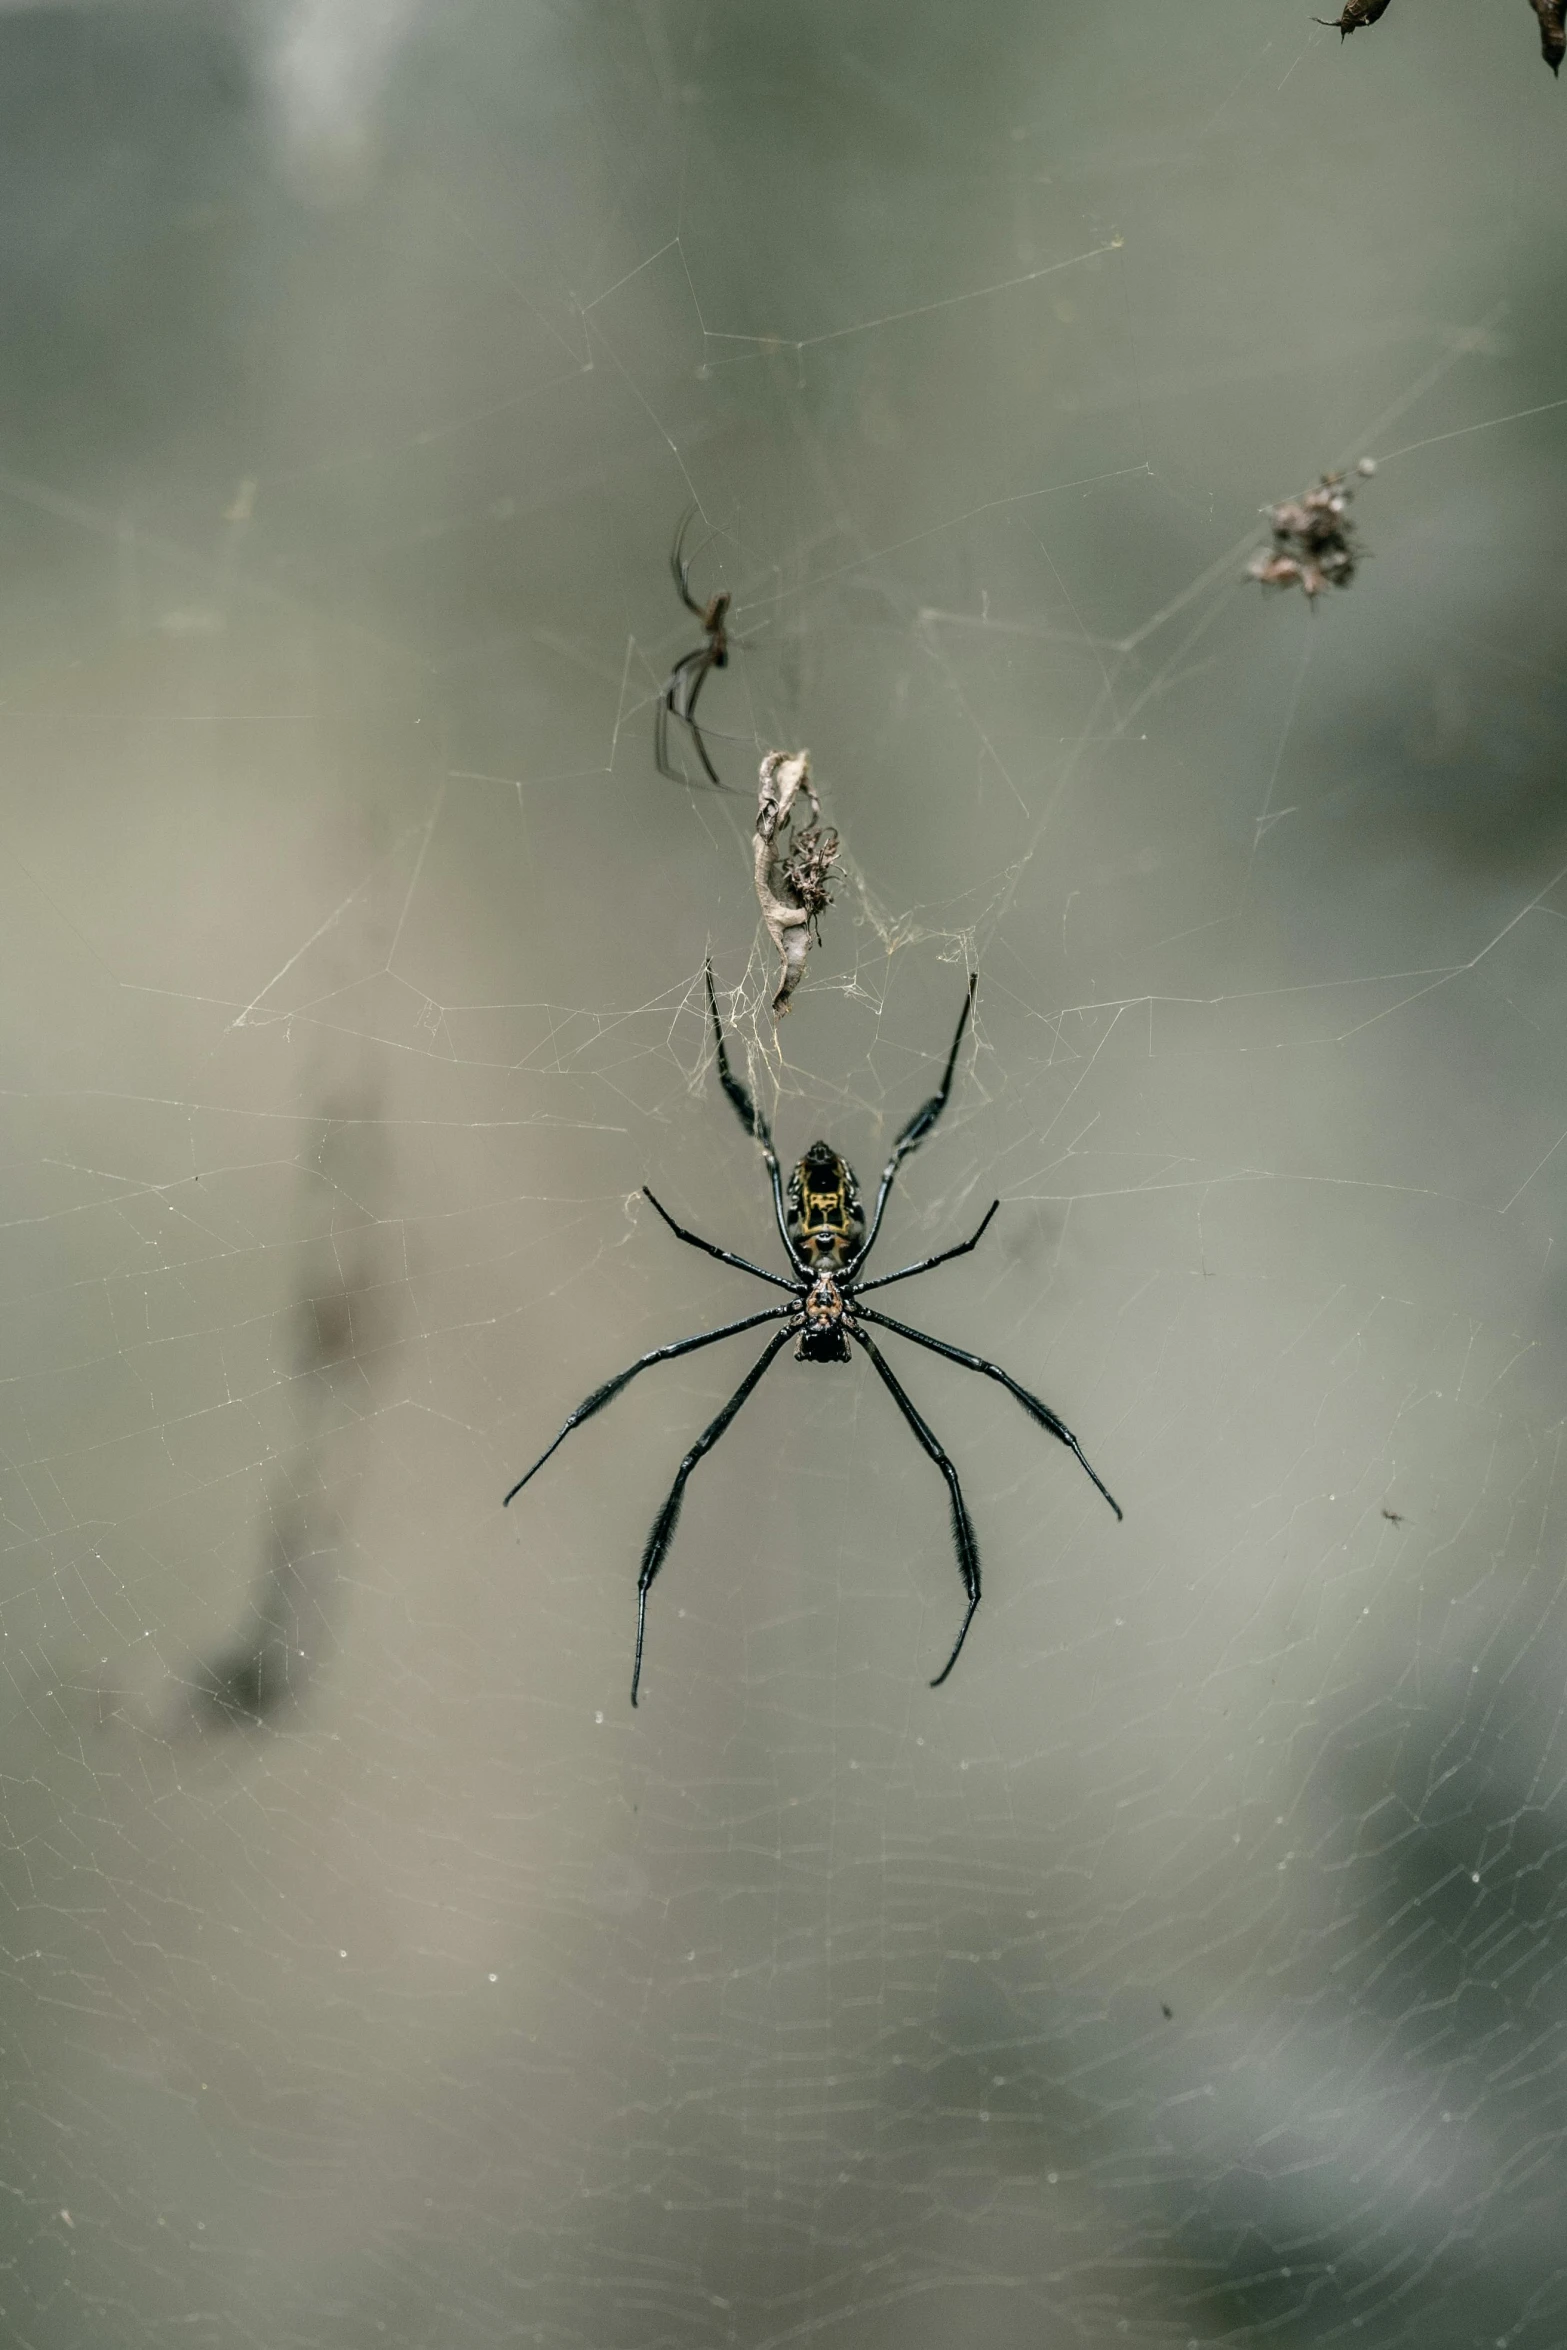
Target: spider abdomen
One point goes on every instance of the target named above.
(826, 1221)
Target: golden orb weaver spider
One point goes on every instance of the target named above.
(826, 1240)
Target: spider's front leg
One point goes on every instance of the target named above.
(964, 1541)
(1031, 1403)
(663, 1530)
(658, 1354)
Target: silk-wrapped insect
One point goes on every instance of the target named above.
(792, 873)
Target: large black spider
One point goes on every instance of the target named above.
(689, 675)
(825, 1238)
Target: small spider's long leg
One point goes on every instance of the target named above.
(671, 703)
(929, 1264)
(661, 758)
(1031, 1403)
(659, 1354)
(915, 1132)
(663, 1533)
(697, 667)
(685, 681)
(725, 1256)
(713, 655)
(963, 1540)
(679, 693)
(680, 570)
(708, 769)
(750, 1117)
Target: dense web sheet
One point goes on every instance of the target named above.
(1190, 1968)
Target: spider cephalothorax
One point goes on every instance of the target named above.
(826, 1241)
(822, 1335)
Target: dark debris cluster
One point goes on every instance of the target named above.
(1314, 544)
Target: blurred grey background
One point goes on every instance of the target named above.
(1190, 1969)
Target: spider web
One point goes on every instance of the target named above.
(1190, 1968)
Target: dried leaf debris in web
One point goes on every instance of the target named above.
(1553, 31)
(792, 868)
(1314, 543)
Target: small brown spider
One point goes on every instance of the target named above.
(1356, 14)
(1551, 13)
(689, 675)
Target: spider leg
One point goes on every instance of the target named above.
(963, 1540)
(1031, 1403)
(918, 1127)
(745, 1108)
(661, 758)
(725, 1256)
(685, 681)
(680, 570)
(707, 657)
(929, 1264)
(663, 1532)
(712, 656)
(750, 1117)
(659, 1354)
(680, 691)
(708, 769)
(671, 704)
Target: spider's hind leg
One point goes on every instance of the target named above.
(916, 1130)
(925, 1117)
(751, 1118)
(738, 1095)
